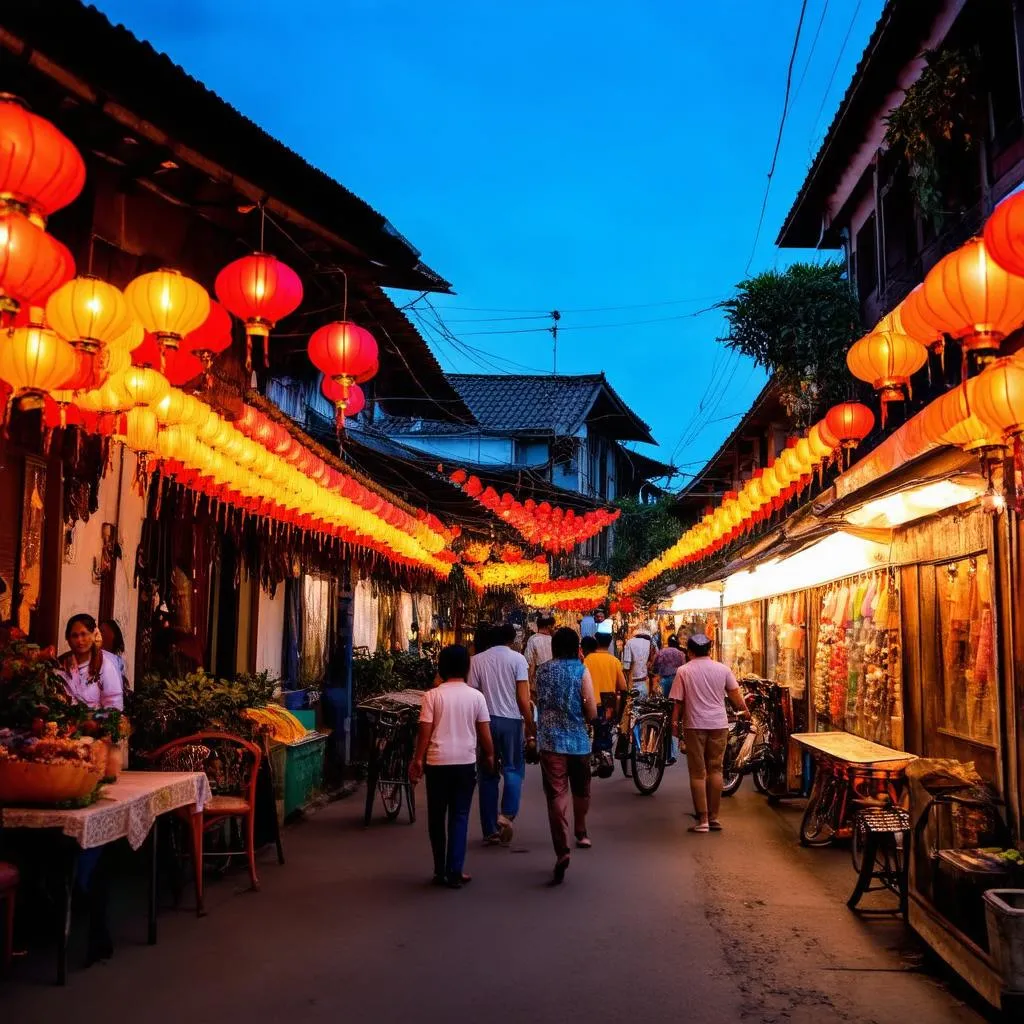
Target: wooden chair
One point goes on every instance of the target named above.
(231, 764)
(8, 890)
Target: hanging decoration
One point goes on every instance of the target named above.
(260, 290)
(579, 594)
(168, 305)
(476, 552)
(346, 403)
(32, 264)
(850, 423)
(887, 361)
(550, 527)
(512, 574)
(210, 338)
(347, 355)
(35, 360)
(1004, 234)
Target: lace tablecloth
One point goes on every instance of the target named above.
(125, 809)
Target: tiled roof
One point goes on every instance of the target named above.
(123, 69)
(897, 38)
(534, 404)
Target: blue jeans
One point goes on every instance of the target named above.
(509, 748)
(449, 797)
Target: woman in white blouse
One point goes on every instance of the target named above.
(93, 675)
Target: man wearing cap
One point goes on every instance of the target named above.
(637, 657)
(699, 692)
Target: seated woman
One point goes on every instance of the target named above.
(113, 642)
(92, 675)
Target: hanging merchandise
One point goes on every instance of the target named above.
(785, 650)
(260, 290)
(742, 642)
(857, 685)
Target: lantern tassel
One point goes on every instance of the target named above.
(1018, 472)
(266, 351)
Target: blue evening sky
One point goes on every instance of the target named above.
(569, 154)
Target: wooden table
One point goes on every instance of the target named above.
(127, 809)
(850, 772)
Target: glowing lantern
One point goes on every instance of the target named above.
(32, 263)
(171, 408)
(142, 430)
(40, 168)
(1004, 234)
(850, 423)
(997, 395)
(822, 441)
(260, 290)
(954, 420)
(113, 360)
(347, 404)
(88, 313)
(168, 304)
(142, 385)
(35, 360)
(345, 352)
(181, 367)
(129, 339)
(177, 441)
(887, 361)
(969, 296)
(211, 337)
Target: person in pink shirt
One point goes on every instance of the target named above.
(699, 692)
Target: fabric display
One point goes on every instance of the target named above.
(786, 658)
(857, 683)
(965, 612)
(742, 647)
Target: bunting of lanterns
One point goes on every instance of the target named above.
(513, 574)
(552, 528)
(579, 594)
(842, 429)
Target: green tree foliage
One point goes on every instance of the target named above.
(798, 323)
(641, 532)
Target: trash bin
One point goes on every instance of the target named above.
(1004, 914)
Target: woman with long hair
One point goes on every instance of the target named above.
(92, 674)
(113, 643)
(565, 704)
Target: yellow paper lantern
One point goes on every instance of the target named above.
(142, 385)
(88, 313)
(35, 360)
(168, 304)
(142, 430)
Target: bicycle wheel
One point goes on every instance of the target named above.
(389, 787)
(818, 825)
(648, 753)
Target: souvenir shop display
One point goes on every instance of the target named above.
(785, 649)
(964, 590)
(742, 640)
(857, 659)
(687, 624)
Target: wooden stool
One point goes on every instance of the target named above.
(882, 858)
(8, 888)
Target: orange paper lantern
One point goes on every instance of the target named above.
(887, 361)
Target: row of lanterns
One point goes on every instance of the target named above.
(843, 428)
(579, 593)
(552, 528)
(492, 575)
(108, 360)
(974, 295)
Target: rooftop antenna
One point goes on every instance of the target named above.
(555, 317)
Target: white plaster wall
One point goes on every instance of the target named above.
(270, 632)
(79, 592)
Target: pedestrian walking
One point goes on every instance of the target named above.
(565, 704)
(501, 675)
(699, 691)
(666, 662)
(538, 647)
(453, 721)
(637, 657)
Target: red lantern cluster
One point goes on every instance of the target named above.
(346, 354)
(552, 528)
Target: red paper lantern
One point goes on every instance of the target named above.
(180, 367)
(40, 168)
(345, 352)
(260, 290)
(33, 264)
(1004, 234)
(850, 422)
(211, 337)
(347, 402)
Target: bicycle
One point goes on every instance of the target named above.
(394, 731)
(839, 790)
(645, 746)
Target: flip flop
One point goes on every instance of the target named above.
(715, 826)
(703, 828)
(583, 842)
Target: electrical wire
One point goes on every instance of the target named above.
(778, 140)
(601, 327)
(810, 53)
(835, 70)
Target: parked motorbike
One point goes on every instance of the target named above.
(757, 746)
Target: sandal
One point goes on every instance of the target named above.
(583, 842)
(702, 828)
(715, 826)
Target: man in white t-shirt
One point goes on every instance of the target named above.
(637, 656)
(538, 647)
(453, 722)
(501, 674)
(699, 691)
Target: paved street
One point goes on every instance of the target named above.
(652, 924)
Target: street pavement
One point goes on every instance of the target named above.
(652, 924)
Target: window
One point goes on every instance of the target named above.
(867, 259)
(967, 707)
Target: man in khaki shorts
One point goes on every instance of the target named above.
(699, 691)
